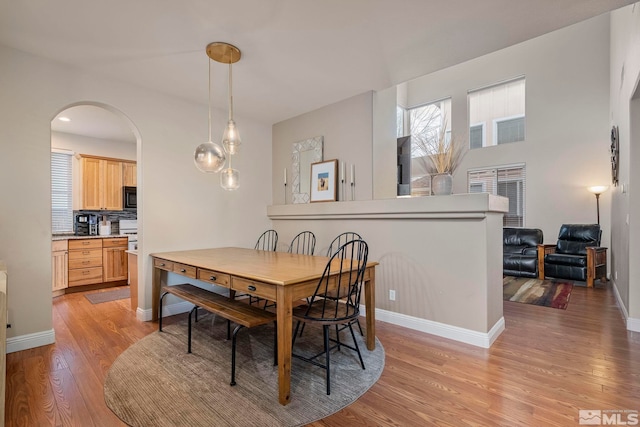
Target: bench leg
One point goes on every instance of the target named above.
(233, 354)
(160, 312)
(189, 333)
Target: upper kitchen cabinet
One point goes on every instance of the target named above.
(129, 174)
(101, 180)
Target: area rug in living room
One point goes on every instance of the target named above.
(155, 382)
(547, 293)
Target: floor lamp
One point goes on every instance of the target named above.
(598, 190)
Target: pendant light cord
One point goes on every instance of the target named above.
(230, 92)
(209, 99)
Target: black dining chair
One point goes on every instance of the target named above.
(268, 241)
(336, 301)
(341, 239)
(304, 243)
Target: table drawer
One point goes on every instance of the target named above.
(185, 270)
(211, 276)
(162, 264)
(85, 243)
(86, 253)
(85, 276)
(258, 289)
(84, 262)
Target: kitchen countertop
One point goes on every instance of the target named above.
(74, 237)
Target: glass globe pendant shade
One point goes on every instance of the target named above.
(209, 157)
(230, 179)
(231, 138)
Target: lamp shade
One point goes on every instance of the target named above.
(598, 189)
(230, 179)
(231, 138)
(209, 157)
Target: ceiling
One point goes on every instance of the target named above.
(297, 55)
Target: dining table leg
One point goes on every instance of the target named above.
(370, 303)
(156, 284)
(284, 311)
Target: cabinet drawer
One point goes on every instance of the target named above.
(162, 264)
(58, 245)
(86, 253)
(254, 288)
(211, 276)
(84, 263)
(85, 244)
(115, 243)
(185, 270)
(85, 276)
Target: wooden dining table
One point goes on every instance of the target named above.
(281, 277)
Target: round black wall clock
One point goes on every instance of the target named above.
(615, 155)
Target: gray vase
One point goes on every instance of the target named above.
(441, 184)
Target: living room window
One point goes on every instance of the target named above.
(61, 192)
(507, 181)
(497, 114)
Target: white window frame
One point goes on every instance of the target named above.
(504, 119)
(520, 196)
(484, 134)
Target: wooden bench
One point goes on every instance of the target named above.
(242, 314)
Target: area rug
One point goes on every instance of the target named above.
(547, 293)
(156, 382)
(110, 295)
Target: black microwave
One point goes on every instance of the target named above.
(129, 198)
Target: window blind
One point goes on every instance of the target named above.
(61, 192)
(509, 182)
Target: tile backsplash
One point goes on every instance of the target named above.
(113, 216)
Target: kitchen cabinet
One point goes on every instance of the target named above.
(101, 183)
(129, 174)
(85, 262)
(133, 279)
(59, 266)
(114, 259)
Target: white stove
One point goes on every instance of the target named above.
(129, 227)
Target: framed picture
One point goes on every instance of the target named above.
(324, 182)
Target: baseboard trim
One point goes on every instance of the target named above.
(633, 324)
(25, 342)
(467, 336)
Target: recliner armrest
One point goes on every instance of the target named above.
(544, 249)
(596, 264)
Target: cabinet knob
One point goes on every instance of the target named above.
(162, 264)
(251, 288)
(212, 278)
(182, 270)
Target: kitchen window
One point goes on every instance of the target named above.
(61, 192)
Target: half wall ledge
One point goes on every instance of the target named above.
(441, 256)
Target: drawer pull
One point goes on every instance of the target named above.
(85, 252)
(86, 262)
(86, 243)
(85, 272)
(182, 270)
(251, 288)
(212, 278)
(162, 264)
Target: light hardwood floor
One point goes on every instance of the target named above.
(542, 370)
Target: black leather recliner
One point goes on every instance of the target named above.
(577, 255)
(520, 251)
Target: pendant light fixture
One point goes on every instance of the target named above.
(209, 156)
(209, 152)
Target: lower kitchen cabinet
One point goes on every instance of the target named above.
(59, 265)
(85, 262)
(114, 259)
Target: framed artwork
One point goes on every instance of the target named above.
(324, 181)
(615, 155)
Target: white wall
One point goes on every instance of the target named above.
(179, 207)
(346, 127)
(625, 113)
(566, 146)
